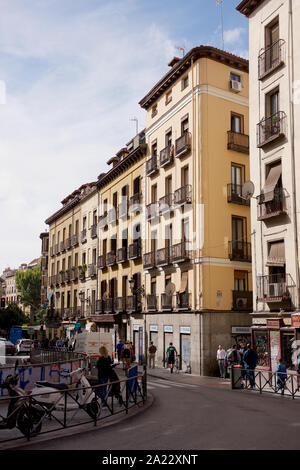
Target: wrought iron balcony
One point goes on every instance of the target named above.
(52, 253)
(92, 271)
(273, 208)
(99, 306)
(152, 211)
(183, 195)
(131, 303)
(120, 304)
(103, 221)
(135, 250)
(183, 144)
(166, 203)
(234, 195)
(75, 240)
(180, 252)
(112, 215)
(238, 142)
(83, 236)
(152, 303)
(122, 254)
(166, 155)
(62, 246)
(242, 300)
(101, 263)
(81, 275)
(68, 274)
(163, 256)
(151, 165)
(149, 261)
(123, 208)
(94, 231)
(275, 288)
(74, 274)
(111, 258)
(136, 199)
(109, 305)
(271, 128)
(57, 249)
(271, 58)
(239, 251)
(166, 302)
(184, 301)
(68, 243)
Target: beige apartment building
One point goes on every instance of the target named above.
(274, 35)
(197, 242)
(121, 199)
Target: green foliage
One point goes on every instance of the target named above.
(10, 316)
(29, 286)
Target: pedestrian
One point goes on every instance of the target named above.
(119, 349)
(104, 366)
(132, 350)
(221, 360)
(171, 353)
(152, 351)
(66, 343)
(250, 360)
(126, 353)
(46, 343)
(281, 375)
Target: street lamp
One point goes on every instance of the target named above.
(136, 290)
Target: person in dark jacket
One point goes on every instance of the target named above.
(105, 374)
(250, 360)
(281, 375)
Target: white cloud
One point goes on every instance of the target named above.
(72, 82)
(232, 36)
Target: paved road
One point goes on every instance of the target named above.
(188, 415)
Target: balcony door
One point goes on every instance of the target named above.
(238, 236)
(237, 179)
(237, 123)
(272, 45)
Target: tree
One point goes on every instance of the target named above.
(29, 286)
(10, 316)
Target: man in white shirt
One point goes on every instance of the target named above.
(220, 358)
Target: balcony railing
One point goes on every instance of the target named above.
(166, 302)
(180, 252)
(108, 305)
(82, 275)
(183, 195)
(149, 260)
(239, 251)
(166, 155)
(102, 221)
(151, 303)
(62, 246)
(112, 215)
(183, 144)
(242, 300)
(122, 254)
(163, 256)
(94, 231)
(74, 274)
(134, 250)
(120, 304)
(101, 263)
(135, 199)
(57, 249)
(183, 301)
(271, 128)
(123, 208)
(234, 195)
(92, 271)
(131, 303)
(83, 236)
(68, 275)
(68, 243)
(152, 211)
(271, 58)
(273, 208)
(75, 240)
(52, 251)
(238, 142)
(99, 306)
(166, 203)
(275, 288)
(111, 258)
(151, 165)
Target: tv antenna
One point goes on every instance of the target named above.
(180, 49)
(220, 2)
(136, 122)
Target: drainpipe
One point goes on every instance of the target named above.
(194, 178)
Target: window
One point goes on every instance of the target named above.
(272, 102)
(154, 193)
(105, 207)
(154, 149)
(136, 185)
(237, 123)
(168, 138)
(241, 281)
(113, 244)
(185, 82)
(237, 174)
(272, 45)
(154, 111)
(168, 185)
(95, 217)
(153, 285)
(261, 344)
(287, 350)
(168, 97)
(185, 126)
(235, 77)
(185, 176)
(84, 223)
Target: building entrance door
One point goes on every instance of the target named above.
(185, 351)
(168, 338)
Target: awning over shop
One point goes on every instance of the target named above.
(104, 318)
(276, 254)
(271, 181)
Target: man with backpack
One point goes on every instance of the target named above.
(250, 360)
(152, 352)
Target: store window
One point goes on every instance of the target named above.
(261, 343)
(287, 350)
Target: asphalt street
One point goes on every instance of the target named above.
(187, 414)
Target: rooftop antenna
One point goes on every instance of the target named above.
(180, 49)
(136, 122)
(220, 2)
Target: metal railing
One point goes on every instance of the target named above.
(183, 195)
(166, 155)
(163, 256)
(180, 252)
(271, 58)
(166, 302)
(94, 231)
(166, 203)
(272, 208)
(234, 195)
(238, 142)
(152, 302)
(239, 251)
(275, 288)
(271, 128)
(134, 250)
(151, 165)
(183, 144)
(67, 410)
(83, 236)
(122, 254)
(149, 260)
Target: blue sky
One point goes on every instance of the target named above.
(74, 72)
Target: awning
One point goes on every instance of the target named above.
(276, 254)
(104, 318)
(271, 182)
(184, 281)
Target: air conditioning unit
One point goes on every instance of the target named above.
(235, 86)
(273, 290)
(241, 303)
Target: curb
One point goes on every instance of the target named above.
(22, 443)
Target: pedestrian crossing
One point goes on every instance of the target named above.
(168, 384)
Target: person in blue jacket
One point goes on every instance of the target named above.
(281, 375)
(250, 360)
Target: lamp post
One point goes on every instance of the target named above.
(82, 299)
(136, 291)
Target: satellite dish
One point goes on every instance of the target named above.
(105, 296)
(247, 190)
(170, 289)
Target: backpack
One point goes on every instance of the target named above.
(231, 356)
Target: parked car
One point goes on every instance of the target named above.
(24, 345)
(7, 347)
